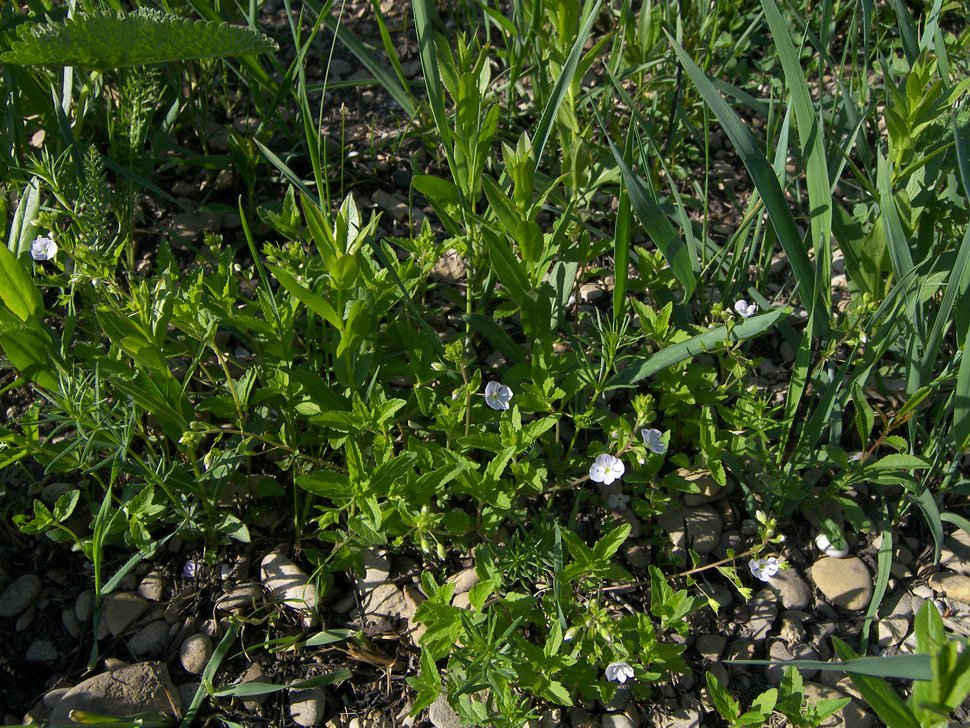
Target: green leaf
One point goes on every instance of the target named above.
(327, 484)
(65, 505)
(316, 303)
(764, 179)
(877, 692)
(17, 290)
(726, 705)
(105, 40)
(611, 542)
(901, 461)
(564, 82)
(657, 225)
(28, 351)
(329, 637)
(22, 228)
(695, 345)
(904, 667)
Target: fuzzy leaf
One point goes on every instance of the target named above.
(106, 40)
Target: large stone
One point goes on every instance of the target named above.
(892, 630)
(307, 706)
(41, 651)
(150, 641)
(144, 687)
(846, 583)
(853, 715)
(84, 605)
(387, 601)
(790, 589)
(616, 720)
(954, 586)
(955, 554)
(20, 595)
(710, 646)
(764, 610)
(377, 570)
(244, 598)
(152, 587)
(696, 528)
(288, 583)
(442, 715)
(119, 612)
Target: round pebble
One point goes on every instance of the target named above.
(20, 595)
(195, 652)
(846, 583)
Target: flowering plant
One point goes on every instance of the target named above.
(43, 248)
(605, 469)
(497, 395)
(745, 309)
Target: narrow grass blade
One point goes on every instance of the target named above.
(432, 78)
(943, 318)
(883, 562)
(496, 336)
(907, 31)
(211, 668)
(655, 222)
(764, 179)
(796, 387)
(811, 139)
(366, 56)
(286, 171)
(621, 254)
(878, 693)
(693, 346)
(591, 12)
(902, 667)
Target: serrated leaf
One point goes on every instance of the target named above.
(105, 40)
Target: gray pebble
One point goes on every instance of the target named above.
(20, 595)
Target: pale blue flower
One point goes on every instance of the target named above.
(605, 469)
(764, 569)
(619, 671)
(43, 248)
(651, 438)
(497, 395)
(745, 309)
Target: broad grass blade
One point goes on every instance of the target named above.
(657, 225)
(811, 138)
(693, 346)
(366, 56)
(432, 77)
(764, 179)
(879, 694)
(591, 11)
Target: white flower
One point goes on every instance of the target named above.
(605, 469)
(746, 309)
(651, 438)
(617, 501)
(764, 569)
(619, 672)
(864, 339)
(43, 248)
(830, 549)
(497, 395)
